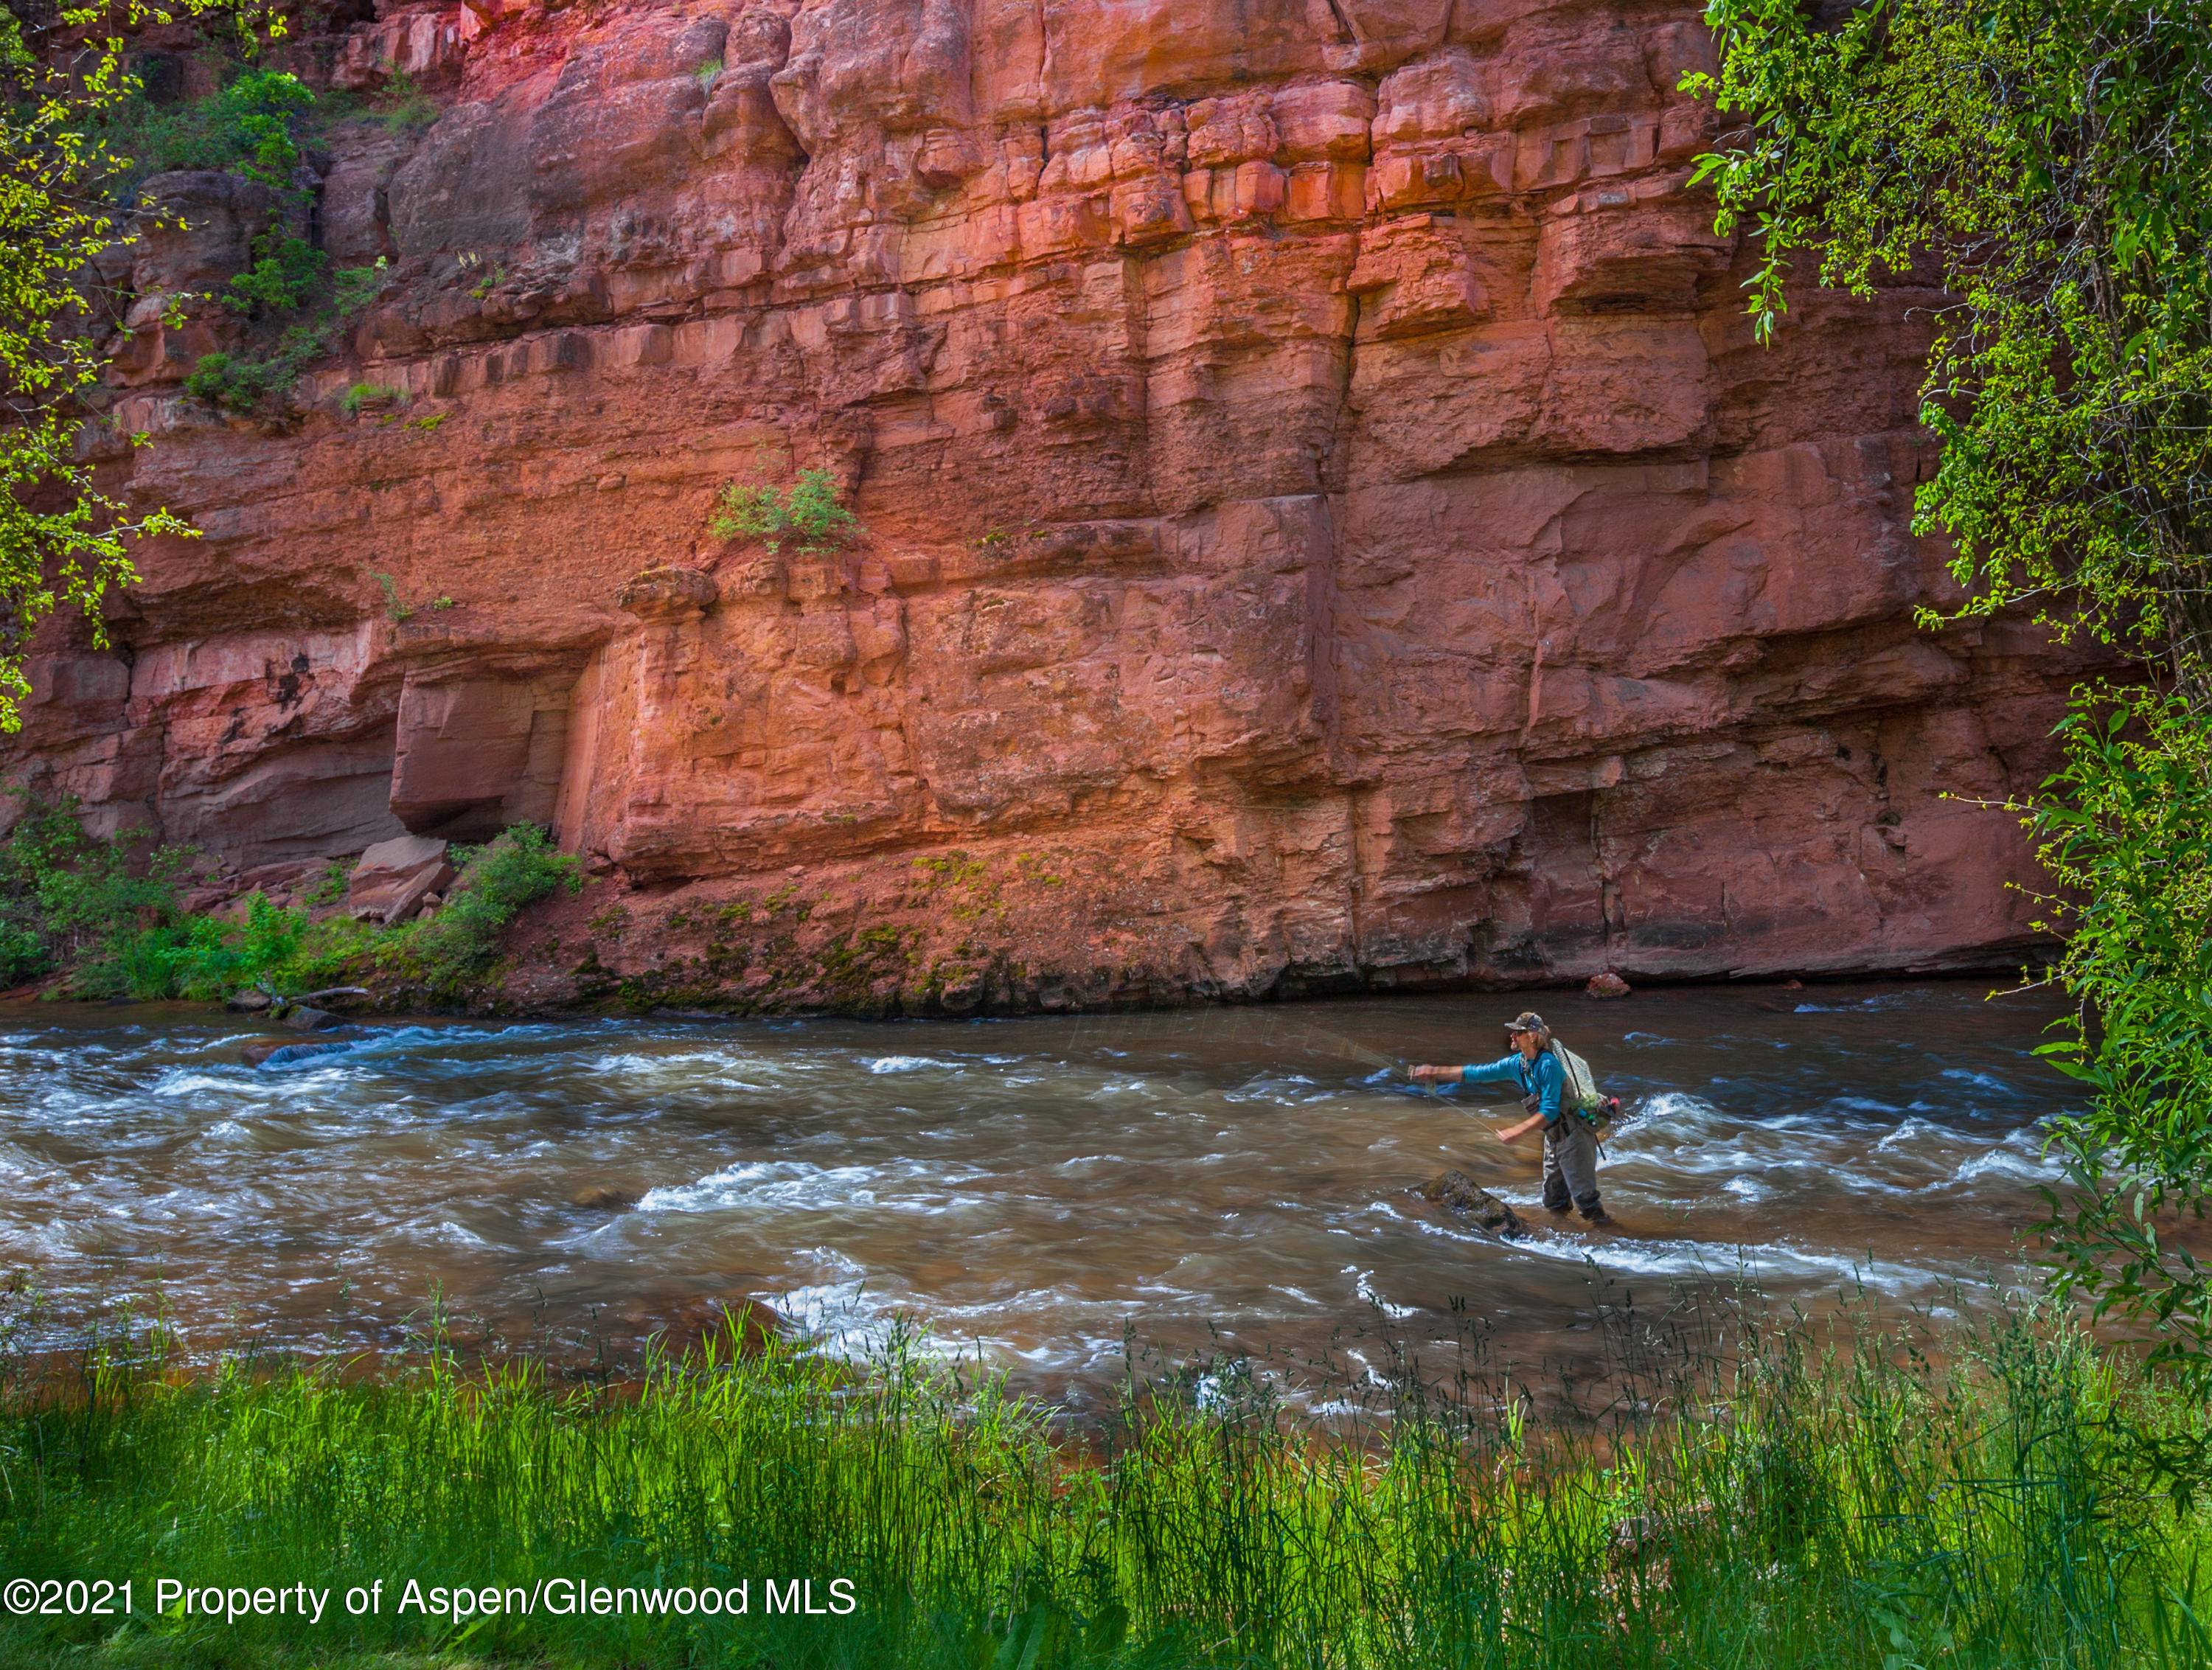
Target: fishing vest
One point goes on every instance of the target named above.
(1578, 1091)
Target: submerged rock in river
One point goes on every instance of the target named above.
(604, 1197)
(1461, 1196)
(271, 1053)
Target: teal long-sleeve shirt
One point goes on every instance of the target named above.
(1540, 1078)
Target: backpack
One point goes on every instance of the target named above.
(1578, 1086)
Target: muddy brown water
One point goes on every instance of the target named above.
(1043, 1190)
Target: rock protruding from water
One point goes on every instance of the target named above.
(306, 1017)
(604, 1197)
(1464, 1199)
(1606, 984)
(269, 1053)
(395, 877)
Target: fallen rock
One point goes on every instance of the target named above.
(1606, 984)
(269, 1053)
(305, 1017)
(1461, 1196)
(604, 1197)
(332, 994)
(395, 877)
(251, 1001)
(206, 901)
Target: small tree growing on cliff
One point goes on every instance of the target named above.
(812, 517)
(2052, 161)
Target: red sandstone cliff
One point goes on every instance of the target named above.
(1327, 521)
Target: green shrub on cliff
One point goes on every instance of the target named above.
(284, 272)
(255, 126)
(360, 395)
(240, 383)
(233, 382)
(2050, 162)
(812, 516)
(252, 126)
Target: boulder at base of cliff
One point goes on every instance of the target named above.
(395, 877)
(1463, 1198)
(1606, 985)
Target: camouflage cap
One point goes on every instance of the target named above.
(1527, 1021)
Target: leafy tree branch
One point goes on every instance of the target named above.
(2049, 163)
(65, 540)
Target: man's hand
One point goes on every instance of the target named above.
(1426, 1074)
(1514, 1132)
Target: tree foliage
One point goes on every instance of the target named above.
(2127, 832)
(64, 539)
(2052, 161)
(2049, 163)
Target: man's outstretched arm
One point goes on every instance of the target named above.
(1505, 1066)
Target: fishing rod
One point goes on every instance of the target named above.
(1336, 1042)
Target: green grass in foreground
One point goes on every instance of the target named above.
(1846, 1506)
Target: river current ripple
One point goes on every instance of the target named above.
(1043, 1189)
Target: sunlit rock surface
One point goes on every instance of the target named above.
(1326, 522)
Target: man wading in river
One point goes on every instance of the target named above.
(1570, 1134)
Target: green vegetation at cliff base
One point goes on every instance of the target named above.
(105, 920)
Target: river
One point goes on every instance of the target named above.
(1048, 1190)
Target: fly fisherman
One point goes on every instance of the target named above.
(1569, 1135)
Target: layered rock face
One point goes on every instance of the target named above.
(1325, 521)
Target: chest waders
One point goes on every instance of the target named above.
(1570, 1149)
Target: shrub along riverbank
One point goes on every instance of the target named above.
(1859, 1506)
(99, 920)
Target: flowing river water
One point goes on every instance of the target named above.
(1042, 1190)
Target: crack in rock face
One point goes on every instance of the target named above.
(1322, 521)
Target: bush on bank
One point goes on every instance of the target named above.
(104, 919)
(2049, 164)
(1987, 1503)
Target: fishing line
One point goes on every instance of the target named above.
(1334, 1042)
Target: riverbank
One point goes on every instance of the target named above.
(520, 929)
(1783, 1499)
